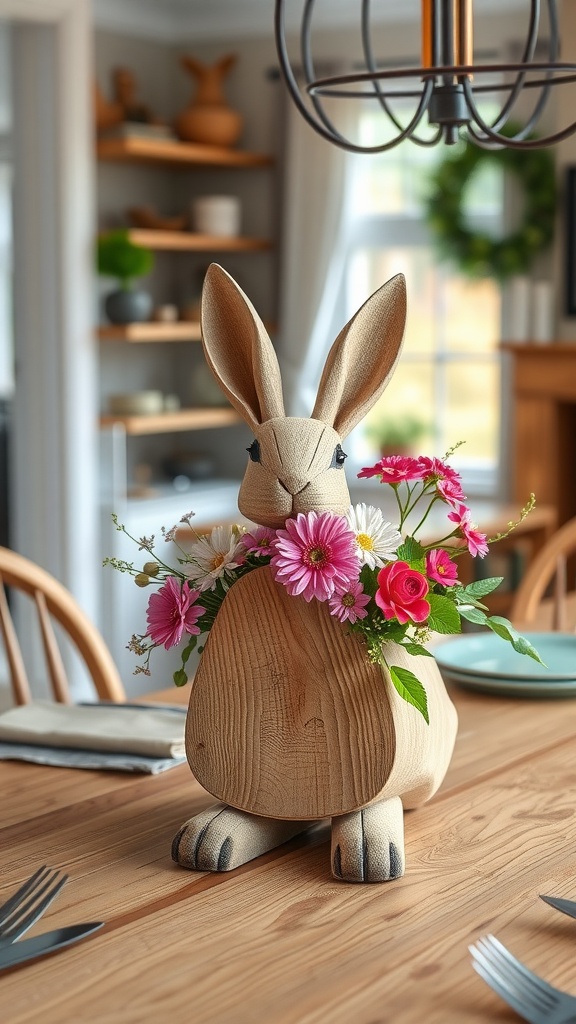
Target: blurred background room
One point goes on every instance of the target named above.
(104, 412)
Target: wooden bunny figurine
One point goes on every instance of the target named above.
(289, 721)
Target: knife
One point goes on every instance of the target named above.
(566, 906)
(27, 949)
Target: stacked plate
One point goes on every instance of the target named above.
(485, 662)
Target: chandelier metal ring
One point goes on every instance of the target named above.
(450, 81)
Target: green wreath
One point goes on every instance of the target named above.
(477, 254)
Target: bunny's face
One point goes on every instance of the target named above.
(295, 465)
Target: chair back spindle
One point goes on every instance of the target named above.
(54, 604)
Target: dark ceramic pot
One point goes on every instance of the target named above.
(127, 306)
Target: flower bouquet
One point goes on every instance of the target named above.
(383, 581)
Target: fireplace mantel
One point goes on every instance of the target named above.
(544, 424)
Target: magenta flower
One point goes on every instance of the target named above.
(315, 554)
(259, 541)
(172, 612)
(476, 541)
(393, 469)
(349, 604)
(441, 568)
(451, 491)
(401, 593)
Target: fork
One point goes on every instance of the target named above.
(24, 908)
(532, 997)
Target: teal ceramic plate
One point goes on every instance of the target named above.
(536, 688)
(486, 656)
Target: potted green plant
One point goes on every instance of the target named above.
(399, 435)
(118, 257)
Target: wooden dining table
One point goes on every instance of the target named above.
(279, 940)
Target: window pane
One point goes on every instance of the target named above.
(471, 315)
(404, 417)
(371, 267)
(472, 410)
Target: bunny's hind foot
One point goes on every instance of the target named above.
(222, 838)
(368, 845)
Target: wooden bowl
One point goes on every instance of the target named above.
(145, 217)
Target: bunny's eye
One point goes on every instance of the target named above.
(254, 451)
(339, 458)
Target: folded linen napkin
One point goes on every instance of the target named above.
(67, 757)
(126, 729)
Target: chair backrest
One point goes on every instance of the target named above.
(534, 602)
(53, 602)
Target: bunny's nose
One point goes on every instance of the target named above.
(292, 483)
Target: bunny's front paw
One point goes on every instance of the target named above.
(221, 838)
(368, 845)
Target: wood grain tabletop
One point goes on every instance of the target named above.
(279, 940)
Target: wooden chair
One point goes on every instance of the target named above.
(543, 599)
(53, 604)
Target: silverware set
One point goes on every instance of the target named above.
(526, 992)
(24, 908)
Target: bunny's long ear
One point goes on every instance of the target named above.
(238, 349)
(362, 359)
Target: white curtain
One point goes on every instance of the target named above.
(312, 259)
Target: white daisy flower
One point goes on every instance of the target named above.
(376, 539)
(210, 557)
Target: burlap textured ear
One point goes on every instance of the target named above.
(238, 349)
(362, 359)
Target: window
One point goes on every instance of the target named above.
(446, 387)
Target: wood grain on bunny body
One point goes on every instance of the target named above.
(289, 721)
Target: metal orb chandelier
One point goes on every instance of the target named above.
(447, 88)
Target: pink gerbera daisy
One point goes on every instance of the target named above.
(476, 541)
(259, 541)
(441, 568)
(172, 612)
(315, 554)
(349, 604)
(393, 469)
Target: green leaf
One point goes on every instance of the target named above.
(416, 649)
(410, 689)
(523, 646)
(502, 627)
(180, 678)
(444, 617)
(411, 551)
(472, 614)
(368, 579)
(188, 649)
(482, 587)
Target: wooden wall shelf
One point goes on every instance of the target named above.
(172, 422)
(134, 150)
(188, 241)
(133, 333)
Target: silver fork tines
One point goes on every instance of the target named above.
(532, 997)
(24, 908)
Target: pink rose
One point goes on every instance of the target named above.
(401, 593)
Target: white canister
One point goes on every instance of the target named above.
(542, 312)
(216, 215)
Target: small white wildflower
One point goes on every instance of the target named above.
(376, 539)
(210, 557)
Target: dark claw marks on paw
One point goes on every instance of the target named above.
(396, 865)
(176, 844)
(337, 863)
(363, 872)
